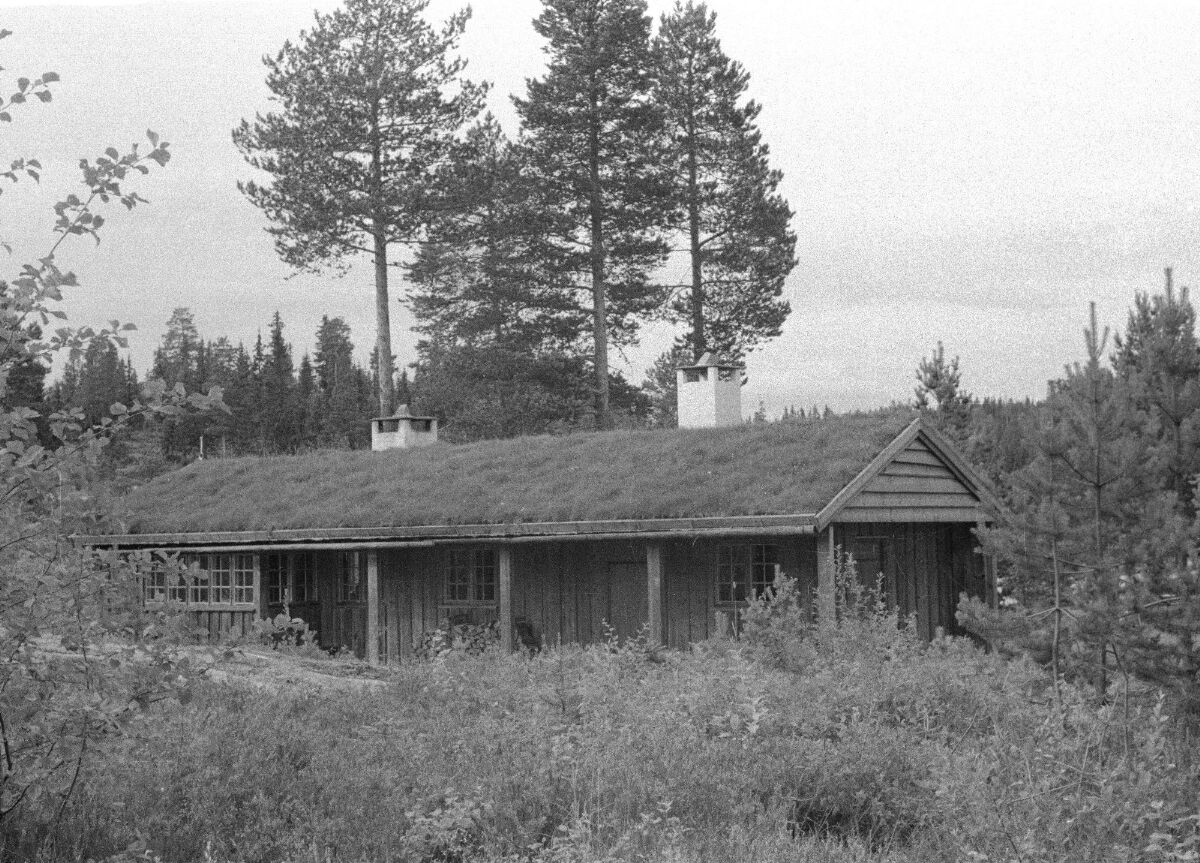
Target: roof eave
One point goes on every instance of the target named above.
(425, 534)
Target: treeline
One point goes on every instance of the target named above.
(275, 404)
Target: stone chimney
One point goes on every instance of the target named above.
(402, 430)
(710, 393)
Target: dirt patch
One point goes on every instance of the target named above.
(271, 669)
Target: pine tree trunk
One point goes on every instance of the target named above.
(599, 297)
(383, 322)
(383, 336)
(699, 342)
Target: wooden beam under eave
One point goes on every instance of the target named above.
(504, 564)
(654, 591)
(373, 606)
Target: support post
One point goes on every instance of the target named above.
(504, 560)
(654, 591)
(826, 590)
(373, 606)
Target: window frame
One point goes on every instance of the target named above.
(351, 580)
(298, 570)
(205, 581)
(470, 578)
(754, 566)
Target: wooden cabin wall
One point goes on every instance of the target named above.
(224, 624)
(925, 568)
(689, 570)
(567, 591)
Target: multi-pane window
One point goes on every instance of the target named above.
(745, 571)
(470, 576)
(165, 584)
(351, 585)
(204, 579)
(289, 578)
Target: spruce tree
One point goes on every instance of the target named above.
(734, 221)
(593, 141)
(369, 104)
(175, 357)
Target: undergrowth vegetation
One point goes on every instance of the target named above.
(842, 741)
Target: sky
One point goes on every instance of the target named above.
(973, 173)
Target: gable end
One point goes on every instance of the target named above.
(915, 486)
(918, 477)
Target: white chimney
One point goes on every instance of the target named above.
(710, 393)
(402, 430)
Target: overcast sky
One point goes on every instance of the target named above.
(969, 172)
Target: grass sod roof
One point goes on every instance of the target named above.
(770, 469)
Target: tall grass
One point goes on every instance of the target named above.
(851, 741)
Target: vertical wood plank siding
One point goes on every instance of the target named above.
(929, 566)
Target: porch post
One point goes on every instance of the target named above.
(373, 606)
(504, 560)
(654, 583)
(826, 590)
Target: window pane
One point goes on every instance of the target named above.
(457, 580)
(304, 588)
(274, 578)
(485, 575)
(763, 567)
(350, 581)
(243, 578)
(732, 569)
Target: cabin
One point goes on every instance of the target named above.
(565, 538)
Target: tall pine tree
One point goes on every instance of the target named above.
(369, 105)
(734, 221)
(593, 136)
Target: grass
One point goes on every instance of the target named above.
(854, 743)
(778, 468)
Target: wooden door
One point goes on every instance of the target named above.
(625, 606)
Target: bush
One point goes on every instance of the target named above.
(871, 746)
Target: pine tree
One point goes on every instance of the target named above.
(337, 382)
(939, 394)
(175, 357)
(735, 222)
(1082, 510)
(1160, 359)
(102, 381)
(593, 136)
(369, 103)
(281, 414)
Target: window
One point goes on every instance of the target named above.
(204, 579)
(470, 576)
(351, 583)
(289, 578)
(165, 583)
(745, 571)
(694, 376)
